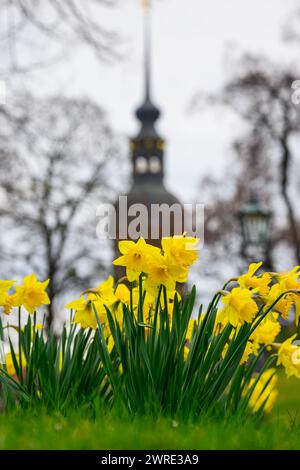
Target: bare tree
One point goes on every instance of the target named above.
(35, 32)
(264, 156)
(57, 159)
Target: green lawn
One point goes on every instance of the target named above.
(279, 431)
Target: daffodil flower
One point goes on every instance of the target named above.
(32, 294)
(239, 307)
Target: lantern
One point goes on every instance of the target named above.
(255, 221)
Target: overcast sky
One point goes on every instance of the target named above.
(191, 44)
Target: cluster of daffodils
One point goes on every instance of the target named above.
(30, 295)
(265, 300)
(165, 266)
(260, 300)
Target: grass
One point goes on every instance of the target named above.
(38, 430)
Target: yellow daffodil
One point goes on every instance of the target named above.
(85, 314)
(289, 357)
(7, 301)
(96, 299)
(162, 270)
(250, 281)
(266, 332)
(289, 280)
(264, 394)
(239, 307)
(10, 364)
(6, 285)
(283, 306)
(122, 294)
(32, 294)
(105, 291)
(181, 249)
(135, 257)
(248, 351)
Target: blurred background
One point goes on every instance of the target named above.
(225, 77)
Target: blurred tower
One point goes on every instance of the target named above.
(147, 155)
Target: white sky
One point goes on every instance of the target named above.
(190, 40)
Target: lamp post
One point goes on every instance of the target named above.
(255, 222)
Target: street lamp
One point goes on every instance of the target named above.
(255, 221)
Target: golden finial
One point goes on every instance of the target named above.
(145, 3)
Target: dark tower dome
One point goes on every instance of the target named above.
(147, 113)
(147, 152)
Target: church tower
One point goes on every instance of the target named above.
(147, 150)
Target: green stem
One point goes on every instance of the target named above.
(20, 347)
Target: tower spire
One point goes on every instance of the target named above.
(147, 47)
(147, 146)
(147, 113)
